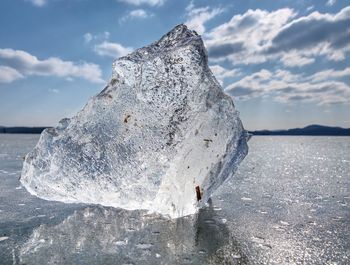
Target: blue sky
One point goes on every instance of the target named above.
(286, 63)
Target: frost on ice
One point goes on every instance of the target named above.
(159, 132)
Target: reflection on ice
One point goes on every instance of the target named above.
(114, 236)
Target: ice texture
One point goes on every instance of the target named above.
(160, 128)
(101, 235)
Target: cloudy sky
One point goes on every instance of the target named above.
(286, 62)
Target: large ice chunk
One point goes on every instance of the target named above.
(160, 128)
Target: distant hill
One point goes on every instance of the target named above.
(308, 130)
(28, 130)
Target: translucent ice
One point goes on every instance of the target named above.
(96, 235)
(160, 128)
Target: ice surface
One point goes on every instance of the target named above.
(97, 235)
(160, 128)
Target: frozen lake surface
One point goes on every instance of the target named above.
(287, 204)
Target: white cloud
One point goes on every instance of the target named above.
(112, 49)
(139, 13)
(287, 87)
(258, 36)
(144, 2)
(88, 37)
(136, 14)
(39, 3)
(294, 59)
(8, 74)
(26, 64)
(330, 2)
(106, 34)
(242, 39)
(315, 35)
(103, 47)
(197, 17)
(309, 8)
(330, 74)
(222, 73)
(54, 90)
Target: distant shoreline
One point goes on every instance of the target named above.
(311, 130)
(22, 130)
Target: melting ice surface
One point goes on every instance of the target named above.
(159, 129)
